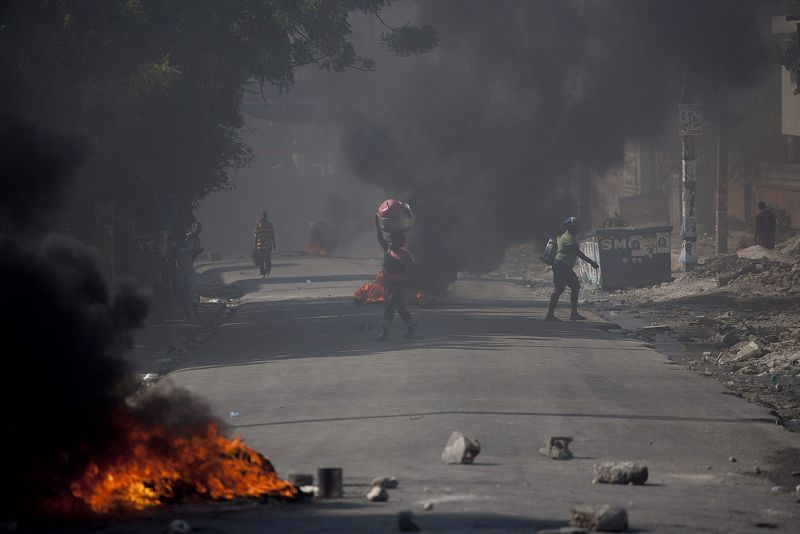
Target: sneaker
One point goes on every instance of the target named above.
(577, 317)
(551, 318)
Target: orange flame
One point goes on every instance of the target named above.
(312, 249)
(158, 467)
(378, 291)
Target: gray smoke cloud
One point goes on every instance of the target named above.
(481, 134)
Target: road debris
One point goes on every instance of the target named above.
(565, 530)
(329, 480)
(300, 479)
(388, 482)
(178, 526)
(557, 448)
(460, 449)
(602, 518)
(428, 505)
(405, 522)
(310, 490)
(234, 414)
(377, 493)
(620, 473)
(656, 329)
(751, 350)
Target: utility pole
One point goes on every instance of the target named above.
(689, 125)
(722, 181)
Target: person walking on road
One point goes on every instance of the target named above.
(264, 236)
(563, 269)
(765, 226)
(398, 270)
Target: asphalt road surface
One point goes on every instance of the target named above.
(313, 388)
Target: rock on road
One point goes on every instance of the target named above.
(299, 363)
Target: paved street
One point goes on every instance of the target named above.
(299, 362)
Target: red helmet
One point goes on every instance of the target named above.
(389, 209)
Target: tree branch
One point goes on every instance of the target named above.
(382, 21)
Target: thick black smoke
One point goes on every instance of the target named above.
(66, 385)
(481, 134)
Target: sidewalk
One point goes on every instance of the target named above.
(160, 346)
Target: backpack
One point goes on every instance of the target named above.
(550, 250)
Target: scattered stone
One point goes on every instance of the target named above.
(751, 350)
(732, 459)
(386, 482)
(756, 470)
(179, 526)
(427, 506)
(405, 522)
(312, 491)
(726, 340)
(460, 449)
(620, 473)
(603, 518)
(778, 489)
(557, 448)
(301, 479)
(377, 494)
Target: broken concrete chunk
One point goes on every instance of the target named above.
(301, 479)
(377, 494)
(726, 340)
(460, 449)
(405, 522)
(620, 473)
(386, 482)
(751, 350)
(603, 518)
(557, 448)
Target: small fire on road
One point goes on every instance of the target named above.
(158, 467)
(313, 249)
(377, 291)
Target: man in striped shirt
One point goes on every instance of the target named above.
(264, 235)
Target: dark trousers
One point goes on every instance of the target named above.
(396, 301)
(564, 276)
(263, 258)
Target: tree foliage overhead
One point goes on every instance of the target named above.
(156, 84)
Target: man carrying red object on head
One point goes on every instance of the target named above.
(398, 264)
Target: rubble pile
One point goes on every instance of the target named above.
(737, 314)
(741, 312)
